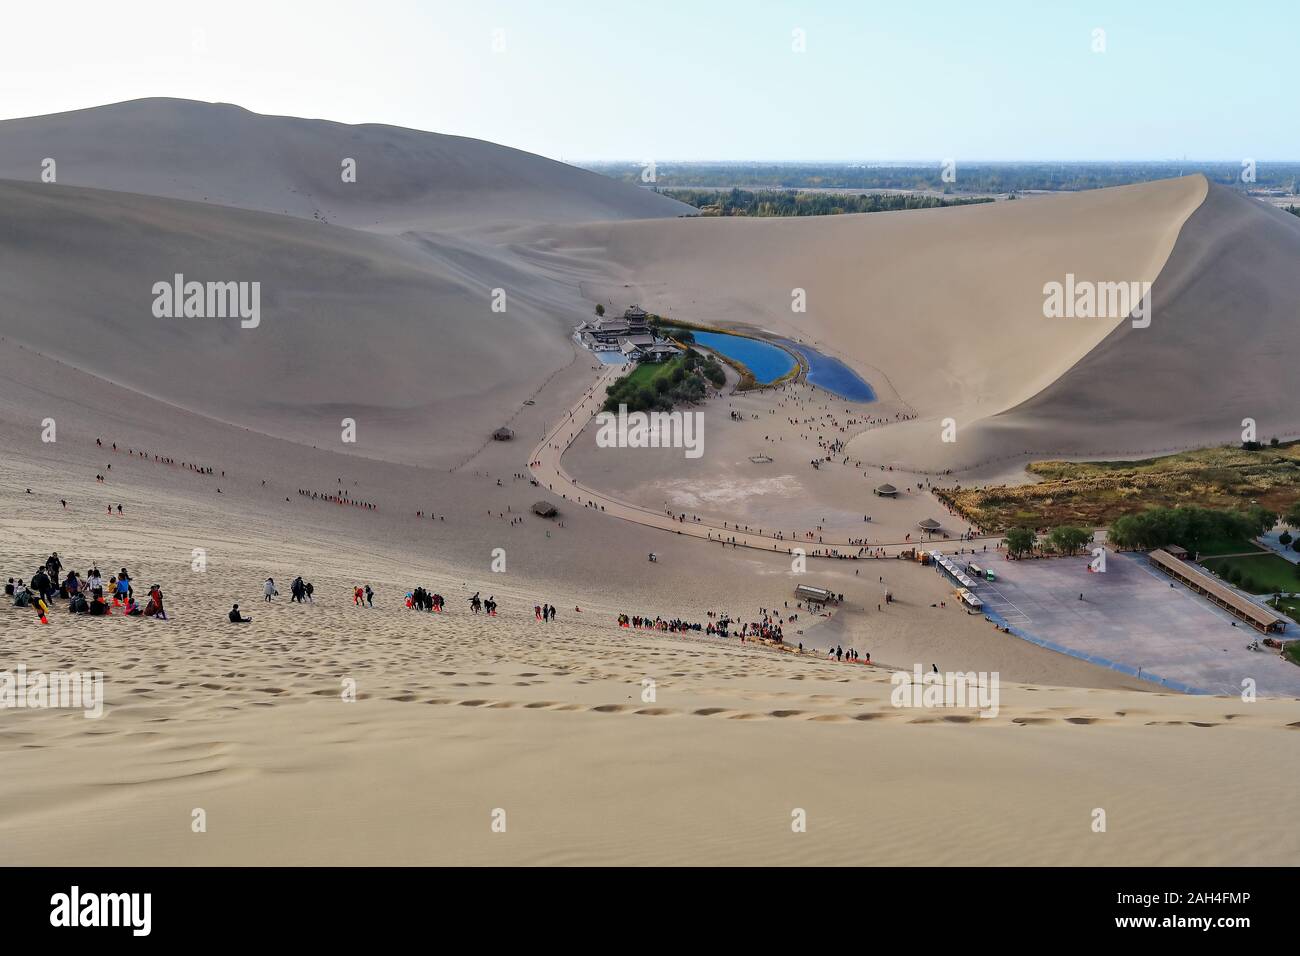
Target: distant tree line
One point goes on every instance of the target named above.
(791, 202)
(1189, 527)
(970, 177)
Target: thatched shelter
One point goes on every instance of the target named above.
(928, 524)
(503, 434)
(545, 509)
(886, 490)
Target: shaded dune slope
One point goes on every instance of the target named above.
(1221, 347)
(224, 154)
(397, 334)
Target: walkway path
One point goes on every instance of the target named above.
(545, 465)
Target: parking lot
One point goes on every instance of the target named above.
(1132, 616)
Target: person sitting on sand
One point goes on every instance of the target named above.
(237, 618)
(9, 588)
(99, 607)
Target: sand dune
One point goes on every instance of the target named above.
(1222, 340)
(399, 335)
(224, 154)
(429, 334)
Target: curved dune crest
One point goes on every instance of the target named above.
(227, 155)
(1221, 348)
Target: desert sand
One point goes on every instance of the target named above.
(458, 716)
(376, 307)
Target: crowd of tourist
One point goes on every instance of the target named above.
(84, 594)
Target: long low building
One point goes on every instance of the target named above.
(1226, 598)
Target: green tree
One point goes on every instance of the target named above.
(1068, 539)
(600, 309)
(1261, 519)
(1020, 541)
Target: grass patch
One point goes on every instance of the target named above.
(1289, 606)
(647, 372)
(1093, 494)
(1218, 546)
(1264, 573)
(659, 386)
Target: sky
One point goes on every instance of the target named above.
(661, 80)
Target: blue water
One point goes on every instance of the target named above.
(768, 363)
(833, 375)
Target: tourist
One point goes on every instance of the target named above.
(40, 583)
(154, 608)
(236, 618)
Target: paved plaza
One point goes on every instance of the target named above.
(1130, 615)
